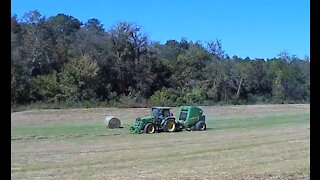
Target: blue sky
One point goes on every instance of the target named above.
(254, 28)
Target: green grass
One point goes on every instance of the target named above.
(77, 129)
(253, 122)
(61, 128)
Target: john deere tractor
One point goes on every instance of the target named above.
(161, 119)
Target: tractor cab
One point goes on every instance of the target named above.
(161, 112)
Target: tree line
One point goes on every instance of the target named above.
(60, 59)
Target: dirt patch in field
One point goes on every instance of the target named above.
(128, 115)
(74, 115)
(254, 109)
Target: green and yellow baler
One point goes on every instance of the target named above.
(191, 118)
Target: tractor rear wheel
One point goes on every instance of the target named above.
(149, 128)
(201, 126)
(170, 125)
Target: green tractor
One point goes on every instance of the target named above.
(161, 119)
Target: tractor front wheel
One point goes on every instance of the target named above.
(149, 128)
(201, 126)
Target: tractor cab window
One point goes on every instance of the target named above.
(156, 112)
(183, 115)
(166, 112)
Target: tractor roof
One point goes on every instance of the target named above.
(161, 107)
(189, 107)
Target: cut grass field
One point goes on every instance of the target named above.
(241, 142)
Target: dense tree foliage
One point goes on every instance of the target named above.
(60, 59)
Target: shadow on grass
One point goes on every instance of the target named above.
(210, 129)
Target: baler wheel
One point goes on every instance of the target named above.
(201, 126)
(149, 128)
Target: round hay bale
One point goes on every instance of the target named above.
(112, 122)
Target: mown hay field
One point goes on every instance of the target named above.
(241, 142)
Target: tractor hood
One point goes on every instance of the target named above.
(145, 118)
(140, 123)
